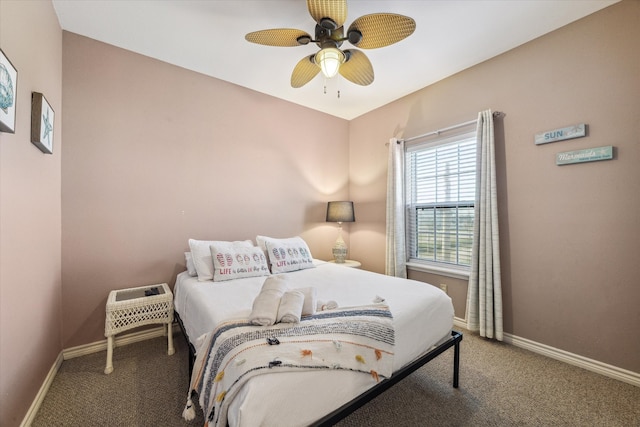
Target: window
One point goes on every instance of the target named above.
(440, 194)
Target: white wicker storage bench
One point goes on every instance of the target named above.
(130, 308)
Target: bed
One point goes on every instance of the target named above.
(422, 321)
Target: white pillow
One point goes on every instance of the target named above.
(236, 262)
(201, 254)
(191, 269)
(286, 254)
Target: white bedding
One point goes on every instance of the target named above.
(422, 317)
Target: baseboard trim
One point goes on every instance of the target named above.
(460, 323)
(83, 350)
(607, 370)
(44, 388)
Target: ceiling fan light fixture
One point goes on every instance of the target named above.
(329, 59)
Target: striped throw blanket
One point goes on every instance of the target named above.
(356, 338)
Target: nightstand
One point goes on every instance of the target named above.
(130, 308)
(348, 263)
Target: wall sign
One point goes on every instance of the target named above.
(586, 155)
(570, 132)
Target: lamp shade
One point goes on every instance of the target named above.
(340, 212)
(329, 60)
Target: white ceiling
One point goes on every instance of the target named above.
(207, 36)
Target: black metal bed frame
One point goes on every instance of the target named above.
(192, 349)
(349, 407)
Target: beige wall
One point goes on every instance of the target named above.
(155, 154)
(30, 267)
(570, 235)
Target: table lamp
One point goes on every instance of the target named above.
(340, 212)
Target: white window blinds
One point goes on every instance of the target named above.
(441, 185)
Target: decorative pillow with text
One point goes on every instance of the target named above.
(236, 263)
(287, 254)
(201, 255)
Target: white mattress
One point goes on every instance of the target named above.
(422, 317)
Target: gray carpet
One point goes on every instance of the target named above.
(500, 385)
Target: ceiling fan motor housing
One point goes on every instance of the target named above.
(329, 37)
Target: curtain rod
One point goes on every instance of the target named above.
(496, 114)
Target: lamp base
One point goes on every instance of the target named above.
(340, 254)
(339, 250)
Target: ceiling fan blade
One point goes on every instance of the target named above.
(382, 29)
(334, 9)
(357, 69)
(285, 37)
(304, 71)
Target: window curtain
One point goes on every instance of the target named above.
(484, 296)
(396, 256)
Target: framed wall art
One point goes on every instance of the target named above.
(8, 94)
(42, 116)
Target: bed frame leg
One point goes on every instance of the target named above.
(192, 350)
(456, 364)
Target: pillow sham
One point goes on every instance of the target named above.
(286, 255)
(191, 269)
(201, 254)
(237, 262)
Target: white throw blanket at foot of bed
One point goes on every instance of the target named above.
(359, 339)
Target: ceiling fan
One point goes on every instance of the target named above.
(367, 32)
